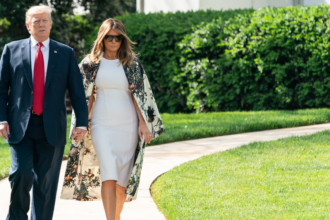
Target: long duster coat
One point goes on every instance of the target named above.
(82, 176)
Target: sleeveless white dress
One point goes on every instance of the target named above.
(114, 123)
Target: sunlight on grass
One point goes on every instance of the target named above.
(4, 158)
(181, 127)
(284, 179)
(191, 126)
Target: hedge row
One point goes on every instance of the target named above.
(157, 36)
(276, 58)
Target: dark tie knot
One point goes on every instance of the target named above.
(40, 44)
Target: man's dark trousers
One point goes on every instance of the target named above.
(38, 166)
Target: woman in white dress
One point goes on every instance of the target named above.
(116, 119)
(123, 116)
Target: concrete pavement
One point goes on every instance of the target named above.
(158, 159)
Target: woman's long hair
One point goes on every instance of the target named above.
(125, 53)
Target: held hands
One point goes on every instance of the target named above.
(4, 130)
(143, 130)
(78, 134)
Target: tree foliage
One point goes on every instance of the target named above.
(13, 14)
(70, 29)
(99, 10)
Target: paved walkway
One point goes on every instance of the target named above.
(159, 159)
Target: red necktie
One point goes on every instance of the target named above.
(38, 81)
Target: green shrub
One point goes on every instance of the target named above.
(278, 58)
(4, 26)
(157, 36)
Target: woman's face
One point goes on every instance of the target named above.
(112, 46)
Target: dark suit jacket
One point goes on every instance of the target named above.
(16, 90)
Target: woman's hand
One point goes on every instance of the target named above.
(143, 130)
(78, 134)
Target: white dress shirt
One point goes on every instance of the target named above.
(45, 53)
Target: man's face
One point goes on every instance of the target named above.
(39, 26)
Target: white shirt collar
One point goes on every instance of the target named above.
(34, 42)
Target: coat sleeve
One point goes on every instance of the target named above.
(148, 105)
(4, 82)
(77, 93)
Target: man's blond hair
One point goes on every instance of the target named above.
(38, 10)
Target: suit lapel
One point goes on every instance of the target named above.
(53, 57)
(26, 57)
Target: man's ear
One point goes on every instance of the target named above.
(27, 27)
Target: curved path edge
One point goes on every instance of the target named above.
(158, 160)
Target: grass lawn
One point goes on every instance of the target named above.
(283, 179)
(191, 126)
(181, 127)
(4, 158)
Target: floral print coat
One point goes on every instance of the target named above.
(82, 176)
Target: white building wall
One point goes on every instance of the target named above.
(314, 2)
(259, 3)
(224, 4)
(151, 6)
(279, 3)
(168, 5)
(236, 4)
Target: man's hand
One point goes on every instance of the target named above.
(78, 134)
(4, 130)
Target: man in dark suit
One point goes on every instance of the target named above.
(34, 76)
